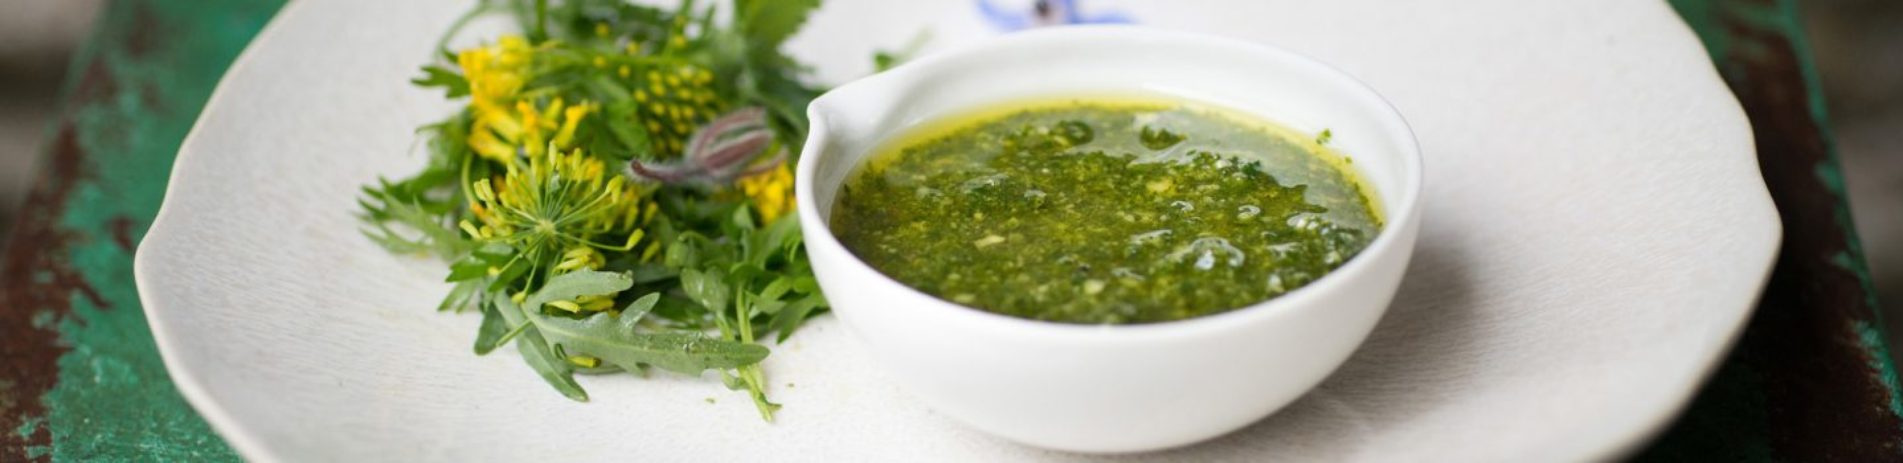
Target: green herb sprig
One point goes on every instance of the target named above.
(585, 267)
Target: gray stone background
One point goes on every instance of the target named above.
(1858, 45)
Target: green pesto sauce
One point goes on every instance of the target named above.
(1104, 211)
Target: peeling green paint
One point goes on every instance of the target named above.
(44, 319)
(1714, 24)
(1789, 22)
(1871, 338)
(27, 426)
(1844, 261)
(114, 400)
(1831, 176)
(1851, 260)
(1711, 21)
(1799, 385)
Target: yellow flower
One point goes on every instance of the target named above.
(570, 119)
(495, 72)
(583, 257)
(501, 135)
(507, 125)
(580, 258)
(771, 192)
(555, 207)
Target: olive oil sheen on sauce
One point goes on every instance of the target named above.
(1104, 211)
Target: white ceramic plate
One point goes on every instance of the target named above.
(1595, 234)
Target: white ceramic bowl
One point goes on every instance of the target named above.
(1112, 388)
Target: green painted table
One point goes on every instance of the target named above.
(81, 381)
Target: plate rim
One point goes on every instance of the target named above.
(228, 427)
(1615, 440)
(1621, 444)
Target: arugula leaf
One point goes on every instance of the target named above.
(494, 253)
(778, 287)
(453, 84)
(494, 328)
(615, 340)
(649, 273)
(683, 253)
(554, 370)
(515, 269)
(640, 307)
(459, 296)
(633, 138)
(537, 352)
(383, 208)
(681, 313)
(742, 219)
(883, 60)
(768, 23)
(725, 281)
(577, 284)
(478, 262)
(469, 268)
(795, 314)
(779, 237)
(415, 215)
(705, 288)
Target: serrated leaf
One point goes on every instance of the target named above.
(615, 340)
(572, 285)
(453, 84)
(742, 273)
(768, 300)
(781, 235)
(683, 253)
(538, 354)
(684, 312)
(468, 268)
(728, 252)
(495, 253)
(640, 308)
(394, 243)
(768, 307)
(649, 273)
(509, 274)
(632, 136)
(795, 314)
(458, 296)
(778, 287)
(392, 205)
(705, 288)
(554, 370)
(489, 334)
(742, 218)
(767, 23)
